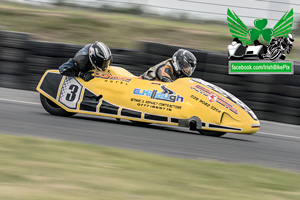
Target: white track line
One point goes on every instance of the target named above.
(17, 101)
(288, 136)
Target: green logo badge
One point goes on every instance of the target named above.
(247, 36)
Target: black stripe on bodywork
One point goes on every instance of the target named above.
(224, 127)
(51, 84)
(89, 101)
(108, 108)
(156, 117)
(131, 113)
(203, 124)
(175, 120)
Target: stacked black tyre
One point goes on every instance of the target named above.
(13, 53)
(46, 55)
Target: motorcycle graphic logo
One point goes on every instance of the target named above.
(271, 43)
(165, 95)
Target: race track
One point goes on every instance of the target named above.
(276, 145)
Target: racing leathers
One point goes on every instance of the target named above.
(163, 71)
(79, 65)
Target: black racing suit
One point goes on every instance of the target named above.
(79, 63)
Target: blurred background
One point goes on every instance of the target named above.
(43, 34)
(121, 23)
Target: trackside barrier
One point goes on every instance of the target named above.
(23, 60)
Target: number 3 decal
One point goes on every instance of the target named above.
(71, 96)
(70, 93)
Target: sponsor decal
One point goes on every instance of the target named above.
(206, 103)
(165, 95)
(156, 83)
(227, 95)
(213, 97)
(215, 109)
(70, 92)
(108, 76)
(155, 105)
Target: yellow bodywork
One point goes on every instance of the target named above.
(150, 101)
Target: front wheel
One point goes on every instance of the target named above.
(52, 108)
(211, 133)
(275, 54)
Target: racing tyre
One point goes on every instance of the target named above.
(261, 56)
(211, 133)
(282, 57)
(275, 54)
(52, 108)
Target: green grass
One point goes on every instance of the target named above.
(40, 169)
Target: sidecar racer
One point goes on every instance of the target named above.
(186, 102)
(238, 51)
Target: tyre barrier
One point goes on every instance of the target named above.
(159, 49)
(261, 97)
(52, 49)
(291, 102)
(15, 40)
(215, 68)
(272, 97)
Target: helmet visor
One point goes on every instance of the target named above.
(188, 69)
(105, 64)
(103, 67)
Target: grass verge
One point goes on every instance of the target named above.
(35, 169)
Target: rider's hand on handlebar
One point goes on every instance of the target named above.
(86, 76)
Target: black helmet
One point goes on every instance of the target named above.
(290, 38)
(184, 62)
(100, 56)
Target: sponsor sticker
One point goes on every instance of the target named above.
(108, 76)
(225, 94)
(213, 97)
(164, 95)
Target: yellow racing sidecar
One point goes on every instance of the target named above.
(186, 102)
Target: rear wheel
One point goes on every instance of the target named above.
(261, 55)
(52, 108)
(211, 133)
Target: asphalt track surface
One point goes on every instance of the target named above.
(276, 145)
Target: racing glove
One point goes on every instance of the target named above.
(86, 76)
